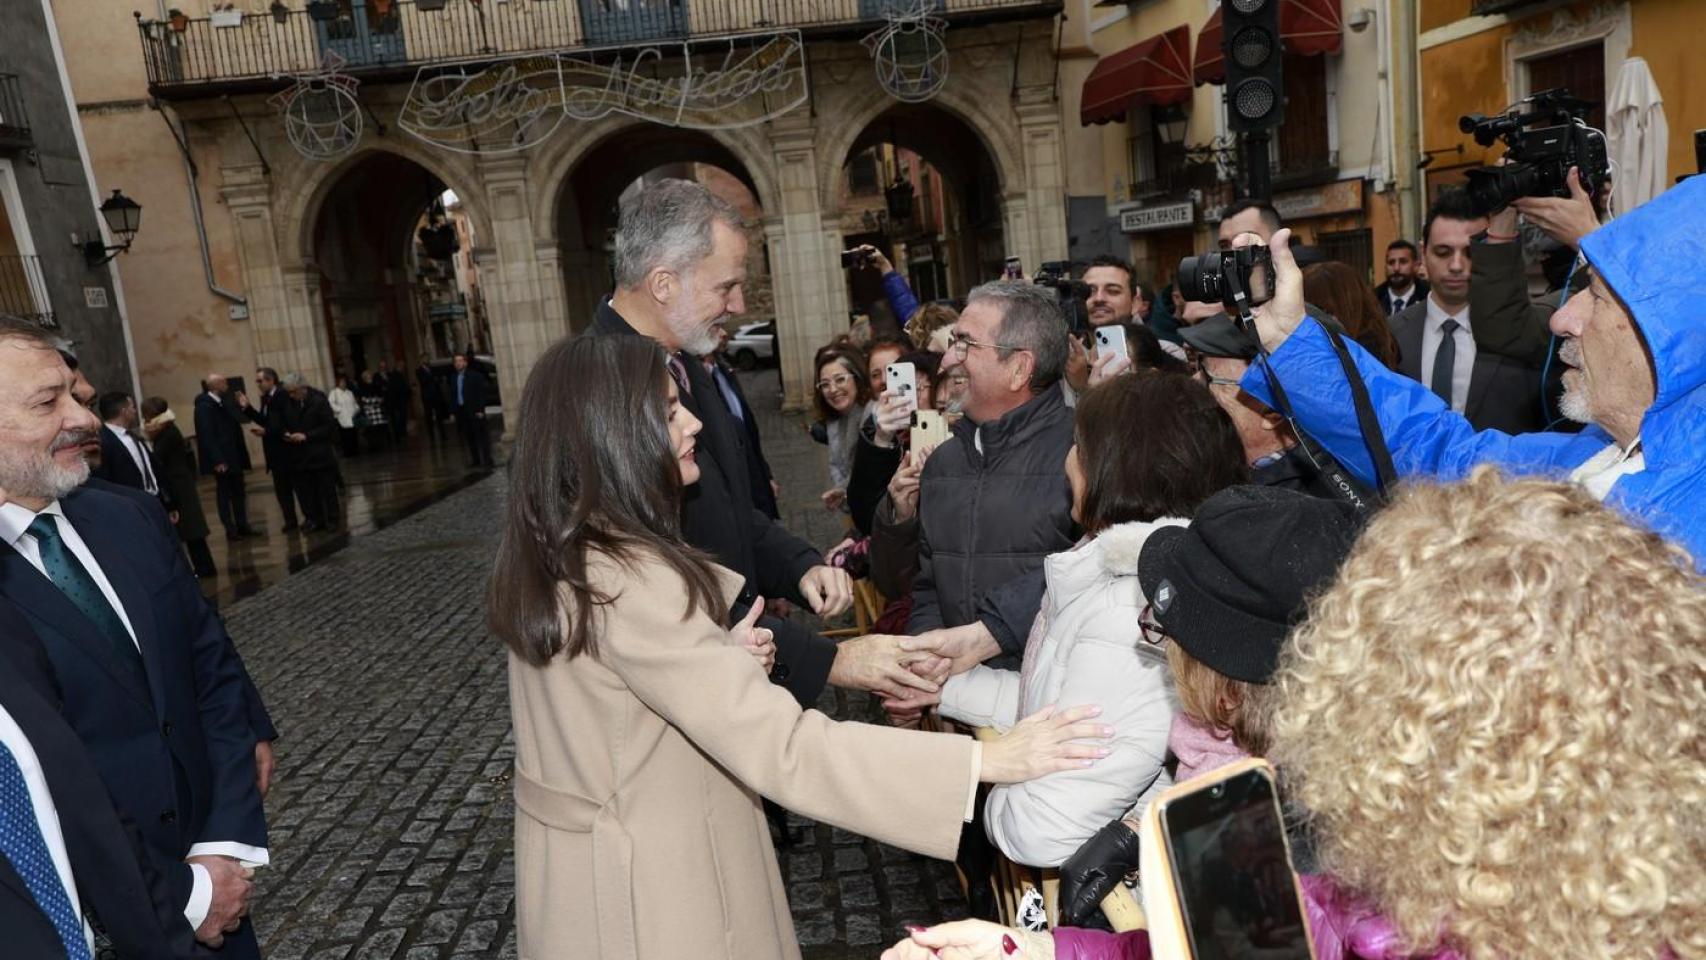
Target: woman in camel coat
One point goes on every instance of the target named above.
(646, 729)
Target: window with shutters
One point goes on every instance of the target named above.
(1302, 144)
(1581, 70)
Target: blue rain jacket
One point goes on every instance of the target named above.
(1653, 258)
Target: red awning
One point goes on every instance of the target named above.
(1309, 27)
(1155, 71)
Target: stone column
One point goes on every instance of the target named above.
(522, 324)
(285, 316)
(1043, 223)
(805, 266)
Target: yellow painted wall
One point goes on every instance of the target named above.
(1461, 77)
(1438, 13)
(1668, 33)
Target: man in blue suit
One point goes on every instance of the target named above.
(223, 454)
(147, 674)
(58, 811)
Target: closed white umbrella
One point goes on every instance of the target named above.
(1639, 137)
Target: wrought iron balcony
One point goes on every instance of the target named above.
(234, 52)
(14, 121)
(1178, 180)
(23, 289)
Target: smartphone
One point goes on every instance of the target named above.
(852, 258)
(1230, 866)
(1012, 269)
(902, 380)
(1111, 340)
(929, 429)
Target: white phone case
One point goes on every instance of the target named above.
(1111, 339)
(902, 379)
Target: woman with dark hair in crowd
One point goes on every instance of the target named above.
(1343, 292)
(646, 727)
(175, 464)
(840, 399)
(1085, 642)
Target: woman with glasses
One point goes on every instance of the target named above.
(841, 399)
(1085, 642)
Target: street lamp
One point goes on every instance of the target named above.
(124, 217)
(1170, 123)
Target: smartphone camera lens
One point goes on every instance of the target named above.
(1217, 791)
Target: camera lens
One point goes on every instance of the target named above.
(1217, 791)
(1199, 278)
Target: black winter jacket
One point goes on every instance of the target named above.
(989, 516)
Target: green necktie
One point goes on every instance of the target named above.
(73, 580)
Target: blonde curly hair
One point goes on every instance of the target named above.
(1494, 718)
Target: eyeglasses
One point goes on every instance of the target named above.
(961, 344)
(1149, 627)
(839, 380)
(1204, 376)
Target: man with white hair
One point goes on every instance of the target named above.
(680, 273)
(309, 427)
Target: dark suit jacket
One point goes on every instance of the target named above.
(312, 418)
(1503, 392)
(473, 391)
(176, 751)
(757, 468)
(177, 477)
(269, 415)
(718, 516)
(259, 719)
(432, 393)
(219, 435)
(115, 879)
(1418, 292)
(117, 464)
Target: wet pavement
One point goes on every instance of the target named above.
(381, 486)
(391, 817)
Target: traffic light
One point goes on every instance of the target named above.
(1250, 43)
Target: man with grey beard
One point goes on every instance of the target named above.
(680, 273)
(147, 675)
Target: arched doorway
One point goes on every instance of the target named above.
(589, 201)
(392, 245)
(920, 184)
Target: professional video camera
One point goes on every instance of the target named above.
(1073, 294)
(1538, 160)
(1237, 279)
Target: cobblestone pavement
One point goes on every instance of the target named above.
(391, 821)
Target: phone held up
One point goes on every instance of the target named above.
(1110, 339)
(1012, 269)
(902, 380)
(1231, 891)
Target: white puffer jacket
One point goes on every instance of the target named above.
(1088, 650)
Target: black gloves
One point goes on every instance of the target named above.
(1092, 872)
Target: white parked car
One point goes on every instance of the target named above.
(753, 344)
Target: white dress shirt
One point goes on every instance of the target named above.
(138, 455)
(47, 815)
(15, 522)
(1463, 366)
(1399, 300)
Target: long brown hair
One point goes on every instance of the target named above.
(1342, 291)
(592, 470)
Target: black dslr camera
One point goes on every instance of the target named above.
(1237, 279)
(1073, 294)
(1537, 160)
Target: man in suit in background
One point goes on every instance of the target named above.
(432, 398)
(63, 848)
(396, 383)
(734, 400)
(270, 428)
(468, 402)
(223, 455)
(148, 676)
(124, 457)
(309, 428)
(1436, 344)
(1402, 286)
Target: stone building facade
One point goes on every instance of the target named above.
(540, 218)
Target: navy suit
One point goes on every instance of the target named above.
(118, 466)
(115, 880)
(177, 753)
(219, 442)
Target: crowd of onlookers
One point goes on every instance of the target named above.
(1442, 671)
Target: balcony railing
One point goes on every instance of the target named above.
(231, 52)
(14, 121)
(23, 289)
(1177, 180)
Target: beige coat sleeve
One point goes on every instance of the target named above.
(901, 787)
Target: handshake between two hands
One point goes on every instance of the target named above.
(908, 672)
